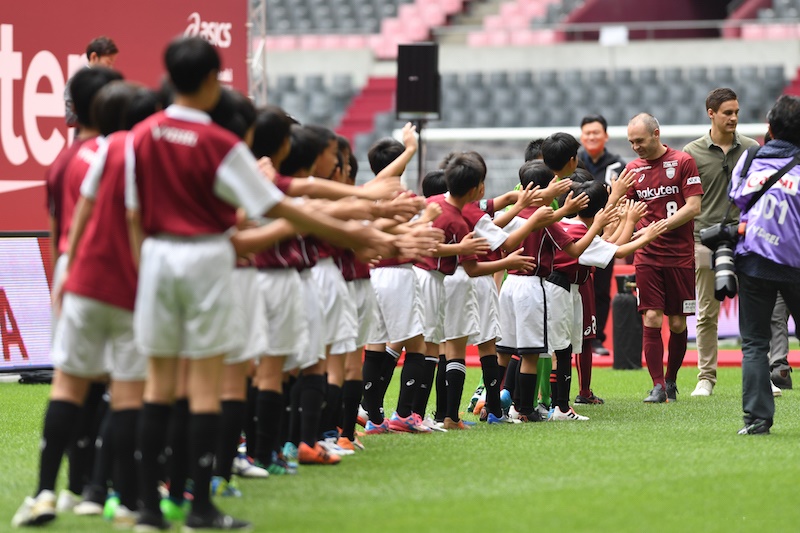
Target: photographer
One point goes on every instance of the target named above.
(767, 256)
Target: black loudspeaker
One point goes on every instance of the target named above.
(627, 326)
(418, 87)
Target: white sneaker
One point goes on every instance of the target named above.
(558, 414)
(433, 425)
(362, 416)
(242, 467)
(125, 518)
(67, 500)
(87, 508)
(704, 388)
(36, 511)
(331, 447)
(543, 410)
(775, 390)
(513, 414)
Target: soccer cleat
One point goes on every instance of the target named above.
(672, 391)
(244, 466)
(67, 500)
(543, 411)
(591, 399)
(316, 455)
(362, 416)
(491, 419)
(224, 488)
(110, 507)
(599, 349)
(332, 447)
(534, 416)
(89, 508)
(505, 398)
(513, 413)
(289, 453)
(782, 378)
(449, 424)
(776, 392)
(570, 414)
(657, 395)
(36, 511)
(348, 444)
(433, 425)
(376, 429)
(174, 511)
(124, 518)
(478, 406)
(215, 520)
(149, 521)
(478, 395)
(410, 424)
(759, 426)
(704, 388)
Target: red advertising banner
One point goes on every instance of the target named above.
(41, 48)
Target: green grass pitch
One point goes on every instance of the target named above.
(632, 467)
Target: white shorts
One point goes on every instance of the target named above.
(312, 350)
(281, 290)
(253, 316)
(338, 308)
(363, 295)
(460, 306)
(432, 294)
(184, 301)
(95, 338)
(58, 274)
(560, 317)
(576, 339)
(399, 315)
(523, 316)
(488, 312)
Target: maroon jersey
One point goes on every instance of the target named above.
(479, 218)
(103, 267)
(286, 253)
(74, 172)
(598, 253)
(455, 229)
(54, 181)
(191, 175)
(664, 184)
(540, 244)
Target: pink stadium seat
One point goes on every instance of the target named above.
(494, 22)
(523, 38)
(432, 14)
(309, 42)
(498, 38)
(781, 31)
(511, 10)
(331, 41)
(449, 6)
(753, 32)
(478, 39)
(355, 41)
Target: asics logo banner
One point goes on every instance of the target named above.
(217, 33)
(651, 193)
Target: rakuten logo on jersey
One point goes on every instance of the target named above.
(657, 192)
(217, 33)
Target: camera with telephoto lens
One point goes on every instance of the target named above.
(721, 238)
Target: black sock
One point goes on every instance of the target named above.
(104, 456)
(123, 427)
(82, 451)
(563, 378)
(371, 372)
(151, 441)
(553, 388)
(203, 439)
(426, 386)
(491, 383)
(59, 426)
(284, 434)
(333, 409)
(178, 449)
(294, 411)
(456, 374)
(269, 409)
(441, 389)
(249, 427)
(527, 386)
(351, 398)
(510, 381)
(230, 431)
(390, 358)
(312, 395)
(410, 379)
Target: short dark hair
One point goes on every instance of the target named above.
(535, 172)
(353, 167)
(558, 149)
(588, 119)
(234, 111)
(581, 175)
(784, 119)
(102, 46)
(189, 61)
(110, 106)
(534, 150)
(717, 97)
(446, 159)
(383, 152)
(145, 103)
(463, 173)
(85, 85)
(598, 197)
(434, 183)
(306, 147)
(272, 128)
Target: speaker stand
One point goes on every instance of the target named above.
(420, 153)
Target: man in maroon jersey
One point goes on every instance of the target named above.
(669, 182)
